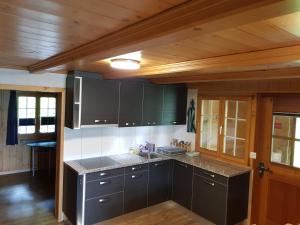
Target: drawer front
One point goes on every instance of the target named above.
(104, 186)
(137, 180)
(104, 174)
(210, 175)
(135, 168)
(103, 208)
(209, 200)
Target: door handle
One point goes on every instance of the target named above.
(262, 169)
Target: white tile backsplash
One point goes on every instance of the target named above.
(93, 142)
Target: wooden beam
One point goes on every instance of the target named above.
(172, 25)
(255, 58)
(234, 76)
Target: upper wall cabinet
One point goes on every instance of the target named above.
(152, 104)
(131, 103)
(100, 102)
(92, 101)
(174, 104)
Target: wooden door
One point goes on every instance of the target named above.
(276, 193)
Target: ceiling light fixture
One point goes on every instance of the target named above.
(130, 61)
(125, 64)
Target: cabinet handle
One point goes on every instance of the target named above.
(135, 168)
(103, 200)
(103, 174)
(135, 176)
(183, 165)
(209, 183)
(158, 164)
(209, 174)
(103, 182)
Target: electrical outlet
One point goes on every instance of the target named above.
(252, 155)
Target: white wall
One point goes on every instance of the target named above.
(23, 77)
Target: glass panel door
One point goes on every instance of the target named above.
(209, 127)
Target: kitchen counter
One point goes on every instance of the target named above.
(203, 162)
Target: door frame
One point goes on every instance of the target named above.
(263, 139)
(61, 96)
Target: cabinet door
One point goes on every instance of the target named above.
(174, 106)
(100, 101)
(158, 190)
(152, 105)
(135, 193)
(182, 184)
(103, 208)
(209, 199)
(131, 99)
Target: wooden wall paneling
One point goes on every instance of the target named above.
(12, 158)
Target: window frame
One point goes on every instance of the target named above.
(37, 134)
(219, 153)
(292, 139)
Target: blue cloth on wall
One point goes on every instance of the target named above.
(191, 117)
(12, 120)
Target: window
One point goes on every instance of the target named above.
(286, 139)
(26, 114)
(36, 114)
(224, 130)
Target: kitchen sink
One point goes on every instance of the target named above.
(149, 156)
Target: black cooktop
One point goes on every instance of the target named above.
(98, 162)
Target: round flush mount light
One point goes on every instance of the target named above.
(125, 64)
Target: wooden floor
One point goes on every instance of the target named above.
(167, 213)
(25, 200)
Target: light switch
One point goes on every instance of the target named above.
(252, 155)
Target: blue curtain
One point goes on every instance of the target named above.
(12, 120)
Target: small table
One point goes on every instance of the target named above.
(40, 144)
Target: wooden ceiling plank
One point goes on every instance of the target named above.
(254, 58)
(245, 75)
(172, 25)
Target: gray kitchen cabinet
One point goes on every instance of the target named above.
(182, 184)
(221, 200)
(159, 182)
(93, 197)
(136, 188)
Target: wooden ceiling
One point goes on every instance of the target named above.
(181, 41)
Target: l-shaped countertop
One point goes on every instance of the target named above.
(123, 160)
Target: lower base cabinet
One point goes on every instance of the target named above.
(103, 208)
(221, 200)
(182, 184)
(135, 192)
(95, 197)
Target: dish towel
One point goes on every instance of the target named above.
(191, 117)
